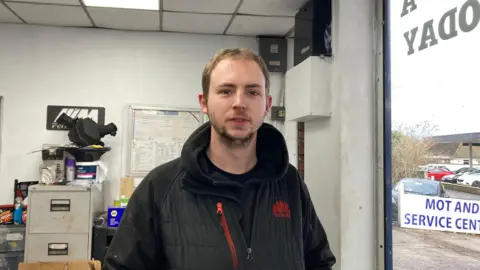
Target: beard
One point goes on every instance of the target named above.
(229, 139)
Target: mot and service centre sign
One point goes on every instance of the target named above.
(440, 214)
(97, 114)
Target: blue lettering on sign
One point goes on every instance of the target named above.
(437, 204)
(467, 207)
(467, 224)
(428, 221)
(464, 224)
(435, 218)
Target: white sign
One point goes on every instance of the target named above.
(437, 213)
(463, 17)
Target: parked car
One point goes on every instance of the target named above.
(450, 178)
(441, 167)
(470, 179)
(438, 173)
(419, 186)
(453, 178)
(464, 170)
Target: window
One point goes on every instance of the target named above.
(428, 117)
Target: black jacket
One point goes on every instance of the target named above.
(186, 216)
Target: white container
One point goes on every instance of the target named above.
(86, 173)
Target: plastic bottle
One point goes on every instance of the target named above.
(70, 170)
(17, 214)
(123, 201)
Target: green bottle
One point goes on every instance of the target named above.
(123, 201)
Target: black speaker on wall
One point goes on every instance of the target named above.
(313, 30)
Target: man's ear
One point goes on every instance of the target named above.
(268, 105)
(202, 100)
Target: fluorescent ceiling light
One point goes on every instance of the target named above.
(128, 4)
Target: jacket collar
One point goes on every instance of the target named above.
(272, 155)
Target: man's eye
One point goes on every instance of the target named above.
(225, 92)
(253, 93)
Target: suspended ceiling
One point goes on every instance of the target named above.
(224, 17)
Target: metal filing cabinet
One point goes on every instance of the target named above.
(60, 222)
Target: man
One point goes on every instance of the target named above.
(232, 200)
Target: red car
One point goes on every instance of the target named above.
(438, 173)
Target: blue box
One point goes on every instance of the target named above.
(114, 216)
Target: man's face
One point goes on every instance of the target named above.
(237, 102)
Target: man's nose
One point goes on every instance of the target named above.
(239, 102)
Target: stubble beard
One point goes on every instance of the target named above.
(231, 141)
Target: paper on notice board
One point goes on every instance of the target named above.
(158, 137)
(142, 155)
(148, 125)
(167, 149)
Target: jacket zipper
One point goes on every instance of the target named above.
(228, 235)
(250, 265)
(249, 249)
(249, 258)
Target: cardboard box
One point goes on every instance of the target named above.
(71, 265)
(127, 186)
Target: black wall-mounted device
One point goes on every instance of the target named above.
(313, 30)
(273, 50)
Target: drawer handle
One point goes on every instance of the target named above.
(57, 249)
(59, 205)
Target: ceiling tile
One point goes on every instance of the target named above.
(126, 19)
(6, 16)
(271, 7)
(56, 2)
(201, 6)
(195, 23)
(51, 15)
(258, 25)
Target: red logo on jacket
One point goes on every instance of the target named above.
(281, 209)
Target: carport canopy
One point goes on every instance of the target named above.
(470, 139)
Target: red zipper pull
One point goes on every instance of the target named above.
(228, 235)
(219, 208)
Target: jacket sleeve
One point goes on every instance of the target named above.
(135, 245)
(318, 255)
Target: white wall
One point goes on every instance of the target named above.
(340, 151)
(290, 127)
(322, 163)
(42, 66)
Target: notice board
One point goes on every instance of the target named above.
(157, 135)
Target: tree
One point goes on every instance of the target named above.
(411, 147)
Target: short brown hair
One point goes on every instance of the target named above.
(238, 53)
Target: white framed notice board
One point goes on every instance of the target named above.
(157, 134)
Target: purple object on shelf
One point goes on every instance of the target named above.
(70, 169)
(70, 162)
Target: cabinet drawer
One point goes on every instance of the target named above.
(57, 247)
(59, 212)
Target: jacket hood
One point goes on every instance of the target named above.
(272, 156)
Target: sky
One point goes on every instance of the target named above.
(440, 84)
